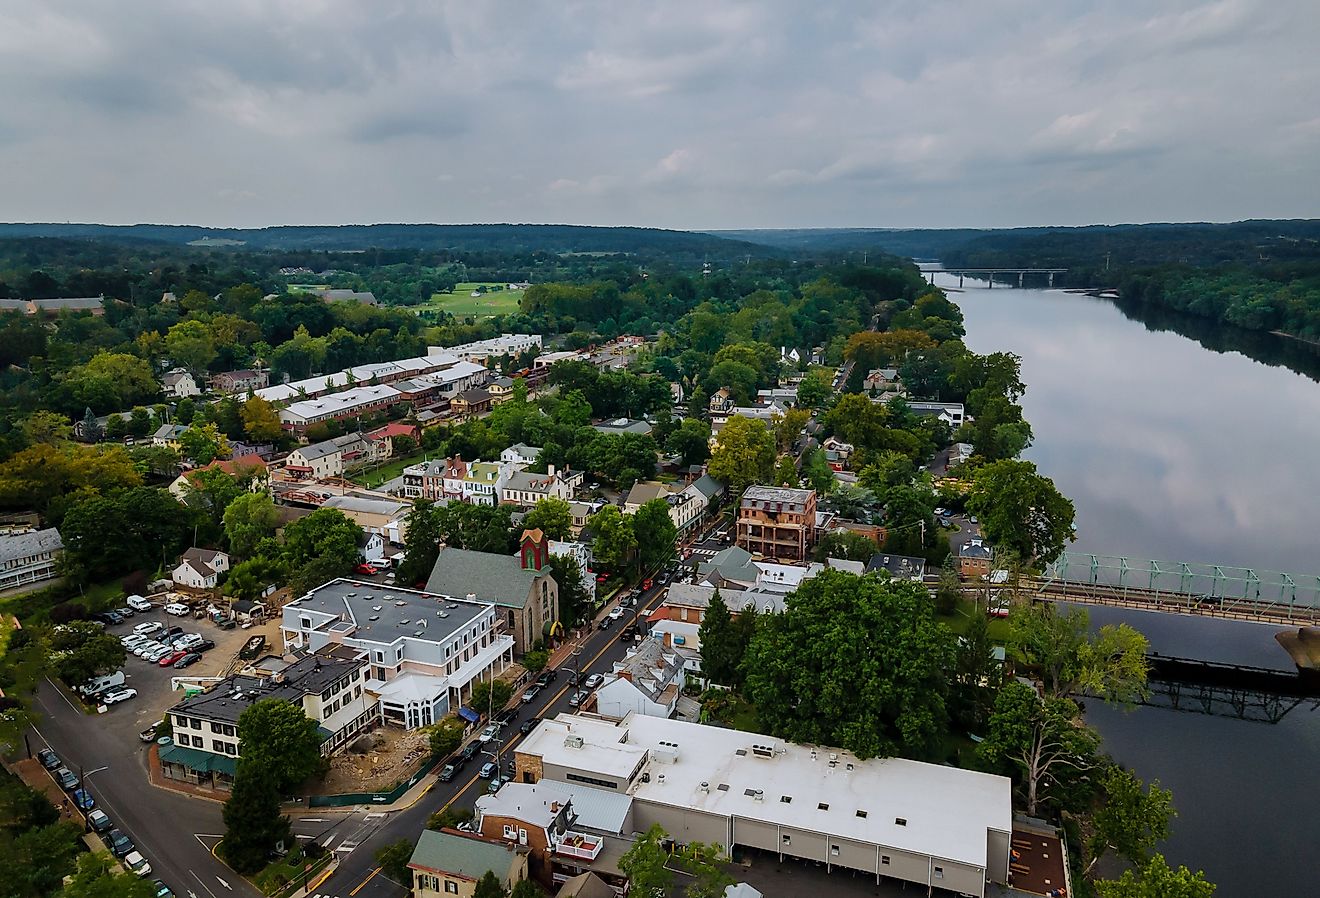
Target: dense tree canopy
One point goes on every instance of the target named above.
(879, 690)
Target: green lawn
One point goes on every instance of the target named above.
(377, 476)
(958, 621)
(463, 304)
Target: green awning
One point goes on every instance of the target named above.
(199, 761)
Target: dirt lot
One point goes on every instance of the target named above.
(393, 756)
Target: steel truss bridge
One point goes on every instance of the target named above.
(989, 274)
(1179, 587)
(1227, 690)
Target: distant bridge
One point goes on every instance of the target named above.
(1179, 587)
(991, 272)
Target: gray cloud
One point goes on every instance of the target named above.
(684, 114)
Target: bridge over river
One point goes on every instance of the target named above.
(1180, 587)
(989, 274)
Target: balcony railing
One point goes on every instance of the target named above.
(580, 845)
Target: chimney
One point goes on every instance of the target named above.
(550, 471)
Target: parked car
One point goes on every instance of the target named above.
(168, 660)
(189, 640)
(546, 677)
(204, 646)
(487, 770)
(147, 628)
(178, 609)
(447, 773)
(530, 695)
(149, 734)
(137, 863)
(68, 782)
(616, 612)
(171, 631)
(121, 695)
(489, 733)
(162, 890)
(366, 569)
(137, 603)
(605, 622)
(150, 647)
(159, 653)
(49, 759)
(572, 678)
(495, 783)
(506, 716)
(119, 843)
(131, 640)
(124, 611)
(594, 681)
(469, 752)
(576, 698)
(528, 725)
(110, 617)
(83, 800)
(99, 822)
(188, 660)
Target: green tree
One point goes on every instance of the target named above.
(1130, 820)
(40, 857)
(552, 516)
(574, 600)
(816, 388)
(1022, 510)
(879, 690)
(185, 411)
(253, 822)
(326, 534)
(719, 653)
(315, 572)
(534, 661)
(701, 861)
(1157, 880)
(189, 343)
(248, 520)
(46, 427)
(249, 578)
(261, 420)
(690, 441)
(98, 876)
(490, 695)
(489, 886)
(210, 491)
(203, 444)
(449, 817)
(1041, 740)
(393, 861)
(1110, 664)
(744, 454)
(646, 865)
(816, 471)
(526, 888)
(614, 540)
(949, 590)
(847, 545)
(977, 677)
(425, 531)
(280, 737)
(93, 432)
(655, 533)
(788, 427)
(786, 472)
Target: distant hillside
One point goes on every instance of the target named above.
(910, 243)
(644, 242)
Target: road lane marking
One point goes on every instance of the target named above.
(364, 882)
(225, 884)
(200, 883)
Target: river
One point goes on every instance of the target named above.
(1197, 448)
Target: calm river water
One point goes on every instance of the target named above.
(1185, 444)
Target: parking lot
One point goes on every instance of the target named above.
(152, 682)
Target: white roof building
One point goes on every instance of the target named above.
(923, 823)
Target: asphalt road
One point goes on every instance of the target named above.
(177, 832)
(357, 875)
(174, 832)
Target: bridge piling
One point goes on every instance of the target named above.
(1021, 276)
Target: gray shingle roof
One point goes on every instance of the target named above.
(467, 857)
(309, 675)
(493, 578)
(320, 450)
(28, 545)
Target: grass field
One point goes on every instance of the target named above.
(462, 303)
(377, 476)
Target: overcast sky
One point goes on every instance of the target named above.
(687, 115)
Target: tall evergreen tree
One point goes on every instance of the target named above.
(719, 660)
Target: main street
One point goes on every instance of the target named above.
(176, 832)
(357, 874)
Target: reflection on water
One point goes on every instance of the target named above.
(1174, 453)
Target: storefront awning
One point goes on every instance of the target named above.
(199, 761)
(469, 715)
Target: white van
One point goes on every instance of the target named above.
(177, 609)
(101, 684)
(137, 603)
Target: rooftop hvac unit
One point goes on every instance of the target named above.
(763, 751)
(574, 741)
(705, 786)
(660, 778)
(758, 795)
